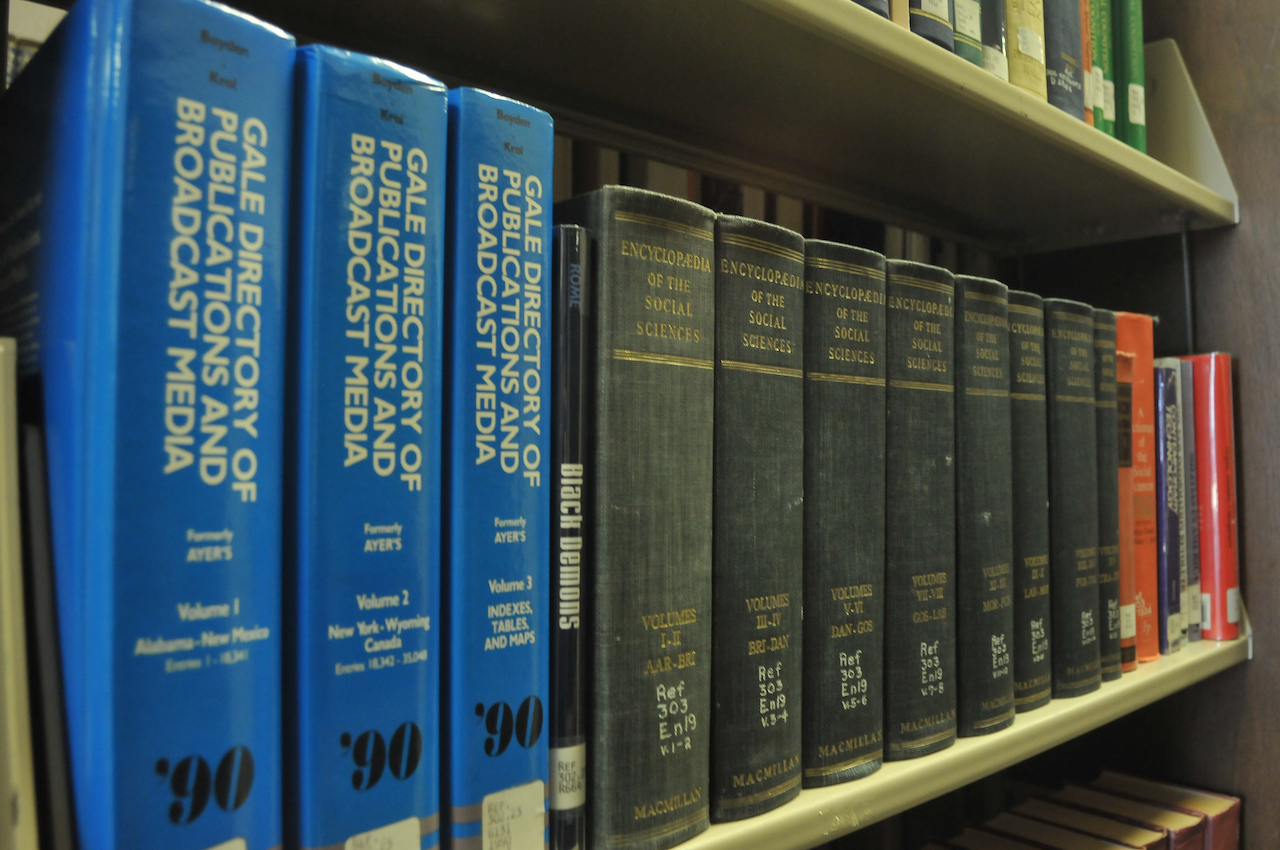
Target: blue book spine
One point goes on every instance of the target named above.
(1168, 552)
(151, 214)
(497, 470)
(363, 559)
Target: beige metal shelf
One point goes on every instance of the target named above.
(820, 99)
(821, 814)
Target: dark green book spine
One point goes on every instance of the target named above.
(1104, 85)
(649, 743)
(984, 510)
(934, 20)
(1073, 496)
(1130, 73)
(968, 29)
(758, 561)
(844, 389)
(920, 511)
(1032, 654)
(1108, 427)
(994, 57)
(1062, 49)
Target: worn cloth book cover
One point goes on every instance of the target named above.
(497, 476)
(1032, 652)
(1216, 483)
(1124, 462)
(920, 519)
(1190, 500)
(844, 513)
(993, 38)
(1102, 50)
(146, 211)
(1073, 497)
(571, 527)
(653, 410)
(1024, 45)
(758, 518)
(880, 7)
(1134, 335)
(1186, 830)
(1110, 829)
(1130, 73)
(1063, 69)
(1047, 835)
(1169, 506)
(984, 508)
(968, 30)
(1222, 829)
(935, 21)
(363, 554)
(1104, 374)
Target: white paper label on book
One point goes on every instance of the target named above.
(1233, 605)
(1206, 611)
(937, 8)
(1128, 621)
(1098, 85)
(1137, 105)
(568, 777)
(1194, 592)
(969, 19)
(1109, 100)
(1031, 44)
(995, 62)
(401, 835)
(514, 819)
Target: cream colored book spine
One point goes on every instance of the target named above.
(17, 784)
(1024, 45)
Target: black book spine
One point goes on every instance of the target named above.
(934, 20)
(920, 511)
(653, 402)
(1032, 654)
(994, 57)
(844, 396)
(1073, 497)
(570, 554)
(758, 551)
(1062, 52)
(1108, 427)
(984, 508)
(880, 7)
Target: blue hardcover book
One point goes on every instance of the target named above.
(1168, 509)
(497, 471)
(367, 307)
(143, 211)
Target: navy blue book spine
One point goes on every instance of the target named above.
(145, 239)
(497, 470)
(363, 552)
(1192, 610)
(1168, 571)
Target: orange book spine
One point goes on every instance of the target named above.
(1134, 334)
(1086, 60)
(1128, 588)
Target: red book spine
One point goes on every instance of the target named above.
(1128, 586)
(1086, 60)
(1134, 335)
(1216, 480)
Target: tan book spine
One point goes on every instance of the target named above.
(1024, 23)
(900, 13)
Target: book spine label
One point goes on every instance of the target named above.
(1104, 109)
(192, 579)
(1024, 45)
(1063, 69)
(1190, 500)
(843, 730)
(758, 518)
(984, 509)
(1130, 74)
(920, 672)
(498, 479)
(1124, 510)
(1104, 358)
(365, 552)
(571, 535)
(968, 31)
(1134, 336)
(1073, 498)
(1032, 656)
(1168, 513)
(1216, 455)
(653, 410)
(994, 57)
(934, 20)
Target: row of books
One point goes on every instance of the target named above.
(1113, 812)
(1083, 56)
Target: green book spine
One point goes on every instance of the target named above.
(1104, 360)
(1130, 74)
(757, 573)
(1104, 85)
(968, 31)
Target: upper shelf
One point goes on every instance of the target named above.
(820, 99)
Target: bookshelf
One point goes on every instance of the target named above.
(821, 814)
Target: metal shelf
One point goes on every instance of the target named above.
(821, 814)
